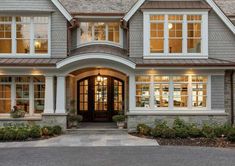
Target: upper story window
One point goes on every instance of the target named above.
(99, 32)
(168, 34)
(24, 35)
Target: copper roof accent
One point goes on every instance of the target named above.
(29, 62)
(210, 62)
(100, 48)
(175, 5)
(98, 14)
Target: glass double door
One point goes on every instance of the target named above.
(100, 97)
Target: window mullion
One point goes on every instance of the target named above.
(185, 34)
(32, 49)
(166, 36)
(171, 93)
(13, 92)
(106, 32)
(152, 93)
(31, 97)
(190, 94)
(13, 31)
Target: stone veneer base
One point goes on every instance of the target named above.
(151, 120)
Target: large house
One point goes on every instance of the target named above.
(148, 59)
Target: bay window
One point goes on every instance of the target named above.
(24, 35)
(108, 32)
(156, 92)
(175, 34)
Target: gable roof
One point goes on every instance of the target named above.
(62, 9)
(215, 7)
(228, 6)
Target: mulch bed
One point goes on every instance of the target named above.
(202, 142)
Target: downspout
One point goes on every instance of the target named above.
(71, 25)
(232, 98)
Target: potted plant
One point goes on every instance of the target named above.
(74, 120)
(120, 120)
(17, 113)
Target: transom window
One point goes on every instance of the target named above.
(99, 32)
(175, 35)
(171, 92)
(24, 35)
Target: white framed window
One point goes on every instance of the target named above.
(5, 95)
(39, 94)
(99, 32)
(172, 92)
(175, 34)
(25, 36)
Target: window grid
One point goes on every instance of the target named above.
(177, 89)
(5, 34)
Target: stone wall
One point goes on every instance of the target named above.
(151, 120)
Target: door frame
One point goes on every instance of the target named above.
(89, 115)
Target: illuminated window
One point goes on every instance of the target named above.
(180, 94)
(5, 94)
(5, 35)
(161, 91)
(199, 88)
(39, 94)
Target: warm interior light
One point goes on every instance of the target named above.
(170, 25)
(37, 44)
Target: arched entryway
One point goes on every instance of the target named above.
(100, 97)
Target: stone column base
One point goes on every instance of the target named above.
(55, 119)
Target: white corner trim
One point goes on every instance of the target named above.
(95, 56)
(132, 11)
(221, 14)
(215, 7)
(62, 9)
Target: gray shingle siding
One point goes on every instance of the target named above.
(58, 21)
(221, 39)
(217, 92)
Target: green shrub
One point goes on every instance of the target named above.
(143, 129)
(157, 130)
(22, 134)
(208, 132)
(9, 134)
(2, 131)
(181, 132)
(35, 132)
(57, 130)
(222, 130)
(119, 118)
(231, 135)
(168, 133)
(47, 131)
(194, 132)
(178, 123)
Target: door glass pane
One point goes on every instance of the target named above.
(101, 93)
(83, 95)
(118, 96)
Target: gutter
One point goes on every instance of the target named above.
(232, 98)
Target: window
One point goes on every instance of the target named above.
(39, 94)
(5, 95)
(143, 91)
(99, 32)
(171, 92)
(5, 35)
(175, 35)
(22, 93)
(199, 88)
(24, 35)
(161, 91)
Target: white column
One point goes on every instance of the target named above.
(132, 92)
(31, 97)
(61, 95)
(49, 95)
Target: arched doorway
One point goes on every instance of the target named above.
(100, 97)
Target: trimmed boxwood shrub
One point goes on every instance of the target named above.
(181, 132)
(22, 134)
(231, 135)
(157, 130)
(9, 134)
(168, 133)
(35, 132)
(57, 130)
(195, 132)
(143, 129)
(47, 131)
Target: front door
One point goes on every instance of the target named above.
(100, 97)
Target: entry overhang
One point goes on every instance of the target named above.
(88, 56)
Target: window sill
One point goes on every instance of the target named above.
(179, 112)
(101, 43)
(175, 57)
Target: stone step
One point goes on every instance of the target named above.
(96, 131)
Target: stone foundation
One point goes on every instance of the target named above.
(45, 120)
(151, 120)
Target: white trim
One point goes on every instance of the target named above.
(166, 55)
(95, 56)
(62, 9)
(132, 11)
(215, 7)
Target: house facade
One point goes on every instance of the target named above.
(151, 60)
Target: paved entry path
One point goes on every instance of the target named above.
(87, 139)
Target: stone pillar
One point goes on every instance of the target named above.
(228, 96)
(49, 95)
(61, 95)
